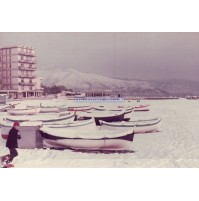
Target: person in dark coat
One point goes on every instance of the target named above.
(12, 143)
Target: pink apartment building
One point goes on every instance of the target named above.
(18, 72)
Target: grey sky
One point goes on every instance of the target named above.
(144, 55)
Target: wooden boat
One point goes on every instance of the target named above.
(115, 108)
(5, 107)
(127, 115)
(105, 116)
(44, 118)
(127, 111)
(80, 108)
(81, 124)
(30, 111)
(142, 108)
(46, 109)
(144, 126)
(90, 139)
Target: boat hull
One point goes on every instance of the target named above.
(109, 118)
(87, 144)
(23, 111)
(93, 139)
(138, 127)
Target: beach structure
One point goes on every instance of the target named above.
(18, 72)
(98, 93)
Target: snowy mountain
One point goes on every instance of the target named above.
(73, 79)
(177, 87)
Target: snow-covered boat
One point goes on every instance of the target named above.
(4, 108)
(48, 109)
(127, 110)
(139, 126)
(101, 115)
(30, 111)
(127, 115)
(82, 124)
(142, 108)
(80, 108)
(90, 139)
(44, 118)
(111, 108)
(45, 109)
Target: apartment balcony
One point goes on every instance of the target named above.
(26, 61)
(26, 53)
(27, 68)
(27, 76)
(27, 84)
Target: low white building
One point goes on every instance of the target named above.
(98, 93)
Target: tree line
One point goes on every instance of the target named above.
(55, 89)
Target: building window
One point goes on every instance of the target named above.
(30, 87)
(22, 87)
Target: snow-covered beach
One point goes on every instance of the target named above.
(176, 145)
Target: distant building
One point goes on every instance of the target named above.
(98, 93)
(18, 72)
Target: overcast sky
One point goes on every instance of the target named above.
(155, 56)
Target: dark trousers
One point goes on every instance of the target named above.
(13, 153)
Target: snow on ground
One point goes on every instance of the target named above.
(176, 145)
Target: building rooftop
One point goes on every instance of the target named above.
(15, 46)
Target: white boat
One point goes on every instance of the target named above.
(142, 108)
(140, 126)
(45, 109)
(90, 139)
(82, 124)
(5, 107)
(44, 118)
(111, 108)
(30, 111)
(79, 108)
(48, 109)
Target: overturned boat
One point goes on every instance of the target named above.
(88, 139)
